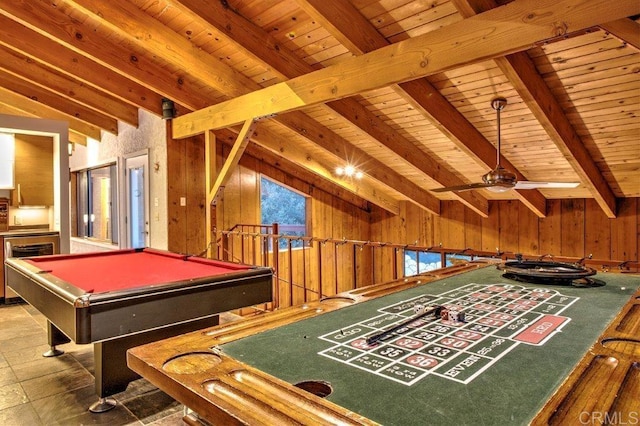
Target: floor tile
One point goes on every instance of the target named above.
(23, 341)
(20, 415)
(44, 366)
(25, 354)
(152, 405)
(174, 419)
(3, 361)
(12, 395)
(72, 408)
(7, 376)
(40, 391)
(51, 384)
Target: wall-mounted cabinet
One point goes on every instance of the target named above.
(33, 171)
(7, 159)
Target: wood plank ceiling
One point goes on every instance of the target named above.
(572, 85)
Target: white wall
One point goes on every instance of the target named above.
(149, 135)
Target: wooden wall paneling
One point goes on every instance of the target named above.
(285, 296)
(195, 195)
(472, 229)
(346, 253)
(597, 232)
(550, 229)
(322, 217)
(249, 203)
(624, 231)
(572, 223)
(379, 223)
(453, 224)
(412, 224)
(176, 188)
(421, 227)
(395, 232)
(528, 233)
(231, 196)
(509, 224)
(362, 231)
(491, 228)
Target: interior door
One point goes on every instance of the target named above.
(137, 193)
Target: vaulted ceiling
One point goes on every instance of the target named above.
(400, 88)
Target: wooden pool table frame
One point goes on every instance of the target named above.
(222, 390)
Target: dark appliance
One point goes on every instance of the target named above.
(28, 245)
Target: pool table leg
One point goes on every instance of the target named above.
(110, 356)
(54, 337)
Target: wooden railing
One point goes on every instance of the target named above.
(310, 268)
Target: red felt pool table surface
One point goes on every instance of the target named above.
(125, 269)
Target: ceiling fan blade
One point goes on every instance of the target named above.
(466, 187)
(525, 184)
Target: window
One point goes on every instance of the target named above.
(418, 262)
(455, 258)
(96, 204)
(285, 207)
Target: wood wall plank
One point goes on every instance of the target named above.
(528, 230)
(176, 187)
(491, 229)
(509, 225)
(624, 231)
(550, 229)
(597, 232)
(572, 231)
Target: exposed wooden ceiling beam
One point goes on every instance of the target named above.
(293, 151)
(53, 100)
(625, 29)
(288, 167)
(95, 44)
(355, 31)
(498, 32)
(36, 109)
(30, 69)
(504, 30)
(77, 138)
(372, 167)
(232, 160)
(125, 18)
(531, 87)
(260, 44)
(64, 60)
(129, 21)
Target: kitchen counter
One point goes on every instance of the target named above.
(26, 232)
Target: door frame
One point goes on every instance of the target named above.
(138, 158)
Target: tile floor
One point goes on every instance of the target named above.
(58, 391)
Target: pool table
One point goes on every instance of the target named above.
(517, 356)
(124, 298)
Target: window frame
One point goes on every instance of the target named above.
(307, 214)
(80, 179)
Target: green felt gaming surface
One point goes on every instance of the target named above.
(498, 367)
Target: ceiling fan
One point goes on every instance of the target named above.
(500, 179)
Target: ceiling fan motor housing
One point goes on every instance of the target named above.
(500, 176)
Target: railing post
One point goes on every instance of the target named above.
(275, 246)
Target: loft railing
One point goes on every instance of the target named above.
(310, 268)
